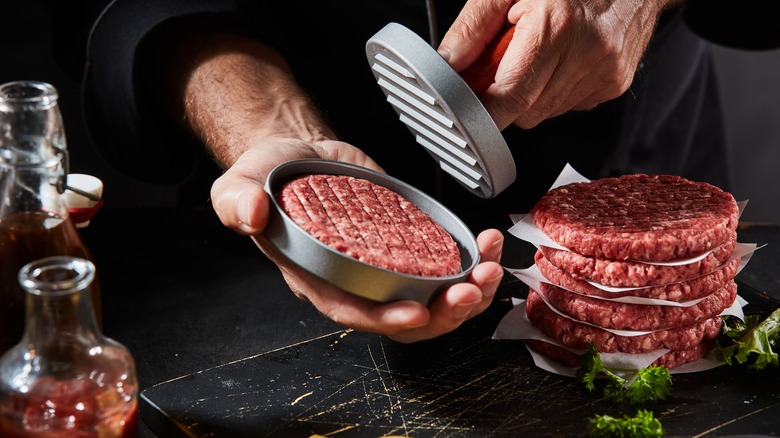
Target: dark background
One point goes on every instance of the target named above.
(749, 86)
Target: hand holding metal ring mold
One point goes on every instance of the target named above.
(346, 272)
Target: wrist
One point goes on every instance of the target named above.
(234, 92)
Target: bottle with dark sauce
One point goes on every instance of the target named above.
(34, 218)
(65, 379)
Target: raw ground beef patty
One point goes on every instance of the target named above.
(620, 273)
(576, 335)
(370, 223)
(681, 291)
(638, 217)
(669, 360)
(626, 316)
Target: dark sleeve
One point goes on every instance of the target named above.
(324, 42)
(70, 25)
(739, 24)
(125, 121)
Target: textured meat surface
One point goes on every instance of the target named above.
(554, 352)
(669, 360)
(681, 291)
(638, 217)
(576, 335)
(679, 357)
(370, 223)
(625, 316)
(621, 273)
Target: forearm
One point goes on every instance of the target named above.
(234, 91)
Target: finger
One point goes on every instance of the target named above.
(342, 307)
(486, 276)
(368, 316)
(491, 244)
(571, 82)
(522, 75)
(571, 98)
(602, 95)
(581, 100)
(340, 151)
(559, 97)
(588, 93)
(475, 27)
(240, 203)
(447, 313)
(464, 300)
(488, 273)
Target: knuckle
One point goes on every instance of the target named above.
(527, 121)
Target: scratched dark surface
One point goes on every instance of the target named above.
(223, 349)
(350, 384)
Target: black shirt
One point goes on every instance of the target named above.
(668, 122)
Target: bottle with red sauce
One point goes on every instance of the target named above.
(34, 218)
(64, 378)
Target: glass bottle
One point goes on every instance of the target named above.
(64, 378)
(34, 218)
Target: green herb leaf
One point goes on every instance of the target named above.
(590, 366)
(644, 424)
(753, 342)
(735, 328)
(652, 383)
(649, 384)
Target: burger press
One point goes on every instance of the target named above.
(346, 272)
(441, 110)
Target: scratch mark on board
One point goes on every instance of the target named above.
(294, 402)
(734, 420)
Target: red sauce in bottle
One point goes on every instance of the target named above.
(70, 409)
(25, 237)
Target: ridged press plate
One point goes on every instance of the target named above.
(441, 111)
(346, 272)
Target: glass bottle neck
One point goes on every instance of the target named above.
(31, 189)
(59, 307)
(32, 130)
(33, 152)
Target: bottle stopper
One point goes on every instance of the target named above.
(83, 197)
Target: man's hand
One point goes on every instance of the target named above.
(403, 321)
(239, 97)
(238, 196)
(242, 205)
(564, 55)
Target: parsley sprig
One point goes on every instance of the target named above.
(643, 424)
(647, 384)
(754, 344)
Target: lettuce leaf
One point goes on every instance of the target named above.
(754, 342)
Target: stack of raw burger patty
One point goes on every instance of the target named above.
(617, 230)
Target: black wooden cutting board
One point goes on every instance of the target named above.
(350, 384)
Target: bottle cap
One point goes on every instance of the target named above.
(84, 197)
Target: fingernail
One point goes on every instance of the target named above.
(444, 54)
(418, 324)
(244, 209)
(497, 247)
(491, 292)
(462, 310)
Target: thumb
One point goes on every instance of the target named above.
(473, 30)
(240, 202)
